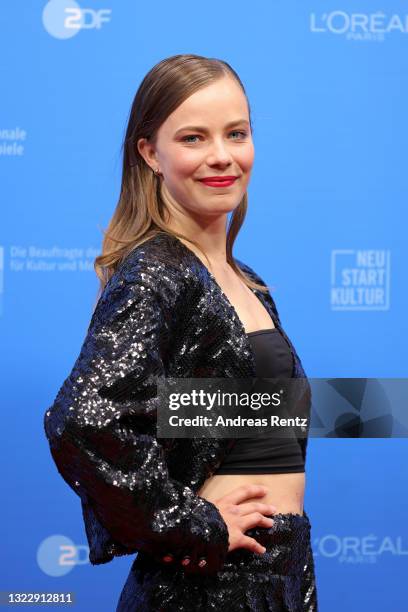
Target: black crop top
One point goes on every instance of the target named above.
(266, 454)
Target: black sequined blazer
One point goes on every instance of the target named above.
(161, 313)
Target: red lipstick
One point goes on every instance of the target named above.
(219, 181)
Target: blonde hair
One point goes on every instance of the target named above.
(141, 212)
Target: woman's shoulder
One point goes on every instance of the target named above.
(153, 261)
(149, 269)
(164, 252)
(156, 250)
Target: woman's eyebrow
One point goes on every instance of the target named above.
(203, 129)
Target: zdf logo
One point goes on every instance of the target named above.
(57, 555)
(64, 18)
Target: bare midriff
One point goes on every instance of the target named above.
(285, 491)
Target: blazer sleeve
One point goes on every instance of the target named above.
(101, 429)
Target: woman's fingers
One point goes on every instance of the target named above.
(249, 507)
(240, 517)
(243, 492)
(256, 518)
(251, 544)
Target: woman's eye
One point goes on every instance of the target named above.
(241, 135)
(184, 139)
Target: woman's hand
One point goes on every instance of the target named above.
(240, 516)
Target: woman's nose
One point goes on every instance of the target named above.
(219, 153)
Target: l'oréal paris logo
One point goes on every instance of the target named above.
(372, 27)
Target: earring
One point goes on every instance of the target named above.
(156, 171)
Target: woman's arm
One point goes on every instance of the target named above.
(100, 428)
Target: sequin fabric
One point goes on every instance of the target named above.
(161, 314)
(273, 581)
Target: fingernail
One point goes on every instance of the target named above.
(272, 508)
(263, 550)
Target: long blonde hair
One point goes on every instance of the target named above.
(141, 212)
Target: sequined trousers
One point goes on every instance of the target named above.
(280, 580)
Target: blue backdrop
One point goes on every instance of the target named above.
(327, 82)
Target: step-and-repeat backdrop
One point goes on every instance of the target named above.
(326, 226)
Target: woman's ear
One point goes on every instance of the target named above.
(147, 151)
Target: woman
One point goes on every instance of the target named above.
(218, 523)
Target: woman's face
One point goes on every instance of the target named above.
(217, 143)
